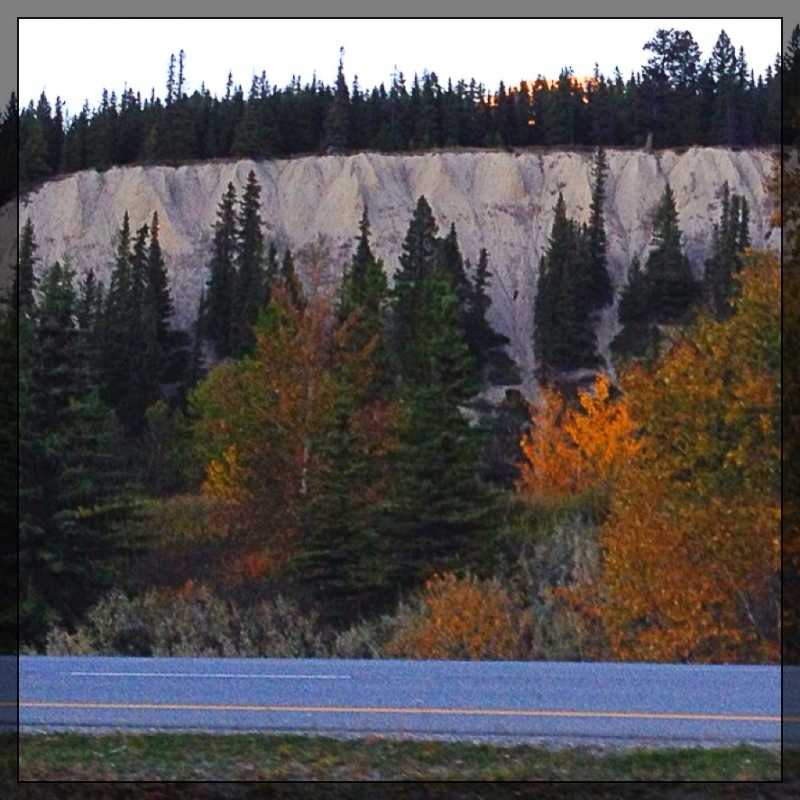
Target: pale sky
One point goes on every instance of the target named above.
(76, 58)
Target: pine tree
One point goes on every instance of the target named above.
(672, 289)
(435, 523)
(290, 280)
(158, 284)
(70, 493)
(337, 121)
(563, 336)
(34, 155)
(248, 142)
(417, 265)
(117, 322)
(441, 512)
(365, 287)
(146, 357)
(24, 277)
(722, 63)
(730, 237)
(221, 284)
(451, 264)
(638, 332)
(494, 366)
(250, 277)
(89, 310)
(9, 149)
(601, 291)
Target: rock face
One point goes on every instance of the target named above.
(497, 200)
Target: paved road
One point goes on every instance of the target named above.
(554, 700)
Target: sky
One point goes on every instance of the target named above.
(115, 53)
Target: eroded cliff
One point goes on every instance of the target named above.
(497, 200)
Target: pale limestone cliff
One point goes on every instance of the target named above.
(498, 200)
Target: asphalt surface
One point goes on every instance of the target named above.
(554, 701)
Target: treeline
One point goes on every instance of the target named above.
(678, 98)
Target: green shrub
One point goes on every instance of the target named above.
(190, 622)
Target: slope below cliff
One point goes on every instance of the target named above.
(498, 200)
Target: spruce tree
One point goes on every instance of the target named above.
(365, 286)
(672, 289)
(440, 510)
(218, 326)
(451, 263)
(418, 262)
(118, 322)
(337, 121)
(638, 332)
(146, 357)
(290, 280)
(158, 284)
(494, 366)
(730, 237)
(174, 345)
(563, 335)
(250, 275)
(600, 289)
(24, 276)
(70, 492)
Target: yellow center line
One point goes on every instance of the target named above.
(504, 712)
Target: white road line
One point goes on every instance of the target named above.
(208, 675)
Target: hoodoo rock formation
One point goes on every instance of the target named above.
(502, 201)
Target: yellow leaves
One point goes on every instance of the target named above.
(570, 450)
(264, 422)
(690, 542)
(225, 478)
(464, 618)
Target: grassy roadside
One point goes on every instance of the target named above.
(252, 757)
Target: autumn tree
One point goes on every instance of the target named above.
(293, 448)
(787, 215)
(570, 449)
(692, 540)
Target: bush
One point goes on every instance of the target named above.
(463, 618)
(371, 638)
(190, 622)
(568, 555)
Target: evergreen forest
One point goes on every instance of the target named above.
(678, 99)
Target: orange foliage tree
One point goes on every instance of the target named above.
(569, 450)
(265, 427)
(464, 618)
(692, 541)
